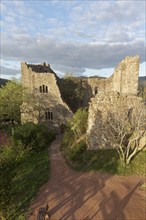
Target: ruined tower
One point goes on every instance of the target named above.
(123, 88)
(45, 103)
(125, 76)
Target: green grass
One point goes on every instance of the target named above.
(108, 161)
(23, 183)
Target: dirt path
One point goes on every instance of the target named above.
(77, 196)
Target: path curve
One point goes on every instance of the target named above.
(74, 195)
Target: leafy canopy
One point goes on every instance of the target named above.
(10, 101)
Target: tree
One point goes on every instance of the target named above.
(10, 102)
(125, 126)
(35, 104)
(79, 122)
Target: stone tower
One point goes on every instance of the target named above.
(40, 81)
(125, 76)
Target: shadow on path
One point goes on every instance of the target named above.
(83, 196)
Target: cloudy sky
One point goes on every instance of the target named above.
(80, 37)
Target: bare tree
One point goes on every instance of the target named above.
(35, 104)
(125, 126)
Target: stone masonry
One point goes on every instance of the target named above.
(97, 136)
(36, 78)
(122, 88)
(42, 81)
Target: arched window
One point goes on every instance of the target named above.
(49, 115)
(43, 89)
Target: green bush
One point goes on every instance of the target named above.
(10, 157)
(23, 162)
(22, 173)
(68, 138)
(77, 151)
(78, 123)
(36, 137)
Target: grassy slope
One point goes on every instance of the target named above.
(28, 176)
(107, 161)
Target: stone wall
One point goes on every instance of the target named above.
(97, 135)
(50, 100)
(124, 81)
(125, 76)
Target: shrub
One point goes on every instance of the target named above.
(78, 123)
(68, 138)
(77, 151)
(20, 159)
(36, 137)
(10, 157)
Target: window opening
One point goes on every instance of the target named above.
(46, 89)
(40, 89)
(95, 90)
(43, 89)
(49, 115)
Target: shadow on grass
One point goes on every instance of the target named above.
(24, 181)
(101, 160)
(108, 161)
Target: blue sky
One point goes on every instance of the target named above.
(79, 37)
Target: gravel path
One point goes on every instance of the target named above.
(85, 196)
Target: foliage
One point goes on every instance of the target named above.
(108, 161)
(73, 145)
(129, 121)
(73, 90)
(78, 123)
(68, 138)
(75, 129)
(34, 105)
(21, 177)
(11, 100)
(24, 166)
(126, 127)
(33, 136)
(76, 152)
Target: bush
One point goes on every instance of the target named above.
(23, 161)
(68, 138)
(22, 173)
(36, 137)
(78, 123)
(76, 153)
(10, 157)
(73, 145)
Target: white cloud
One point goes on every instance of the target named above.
(73, 35)
(9, 71)
(70, 55)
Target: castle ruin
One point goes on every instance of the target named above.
(42, 81)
